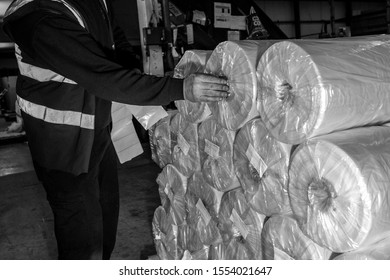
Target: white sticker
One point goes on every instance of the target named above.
(211, 149)
(183, 144)
(203, 212)
(281, 255)
(239, 223)
(207, 110)
(169, 193)
(255, 160)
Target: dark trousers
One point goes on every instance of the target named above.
(85, 208)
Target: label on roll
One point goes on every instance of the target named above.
(183, 144)
(239, 223)
(255, 160)
(211, 149)
(203, 212)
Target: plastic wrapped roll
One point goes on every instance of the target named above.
(377, 251)
(193, 61)
(202, 204)
(165, 236)
(237, 61)
(314, 87)
(282, 239)
(240, 227)
(211, 198)
(216, 155)
(186, 151)
(262, 168)
(339, 187)
(161, 141)
(189, 239)
(172, 190)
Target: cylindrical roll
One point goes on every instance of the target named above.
(203, 203)
(193, 61)
(282, 239)
(165, 236)
(339, 187)
(216, 155)
(240, 227)
(262, 168)
(377, 251)
(161, 142)
(211, 198)
(237, 61)
(186, 151)
(189, 239)
(314, 87)
(172, 190)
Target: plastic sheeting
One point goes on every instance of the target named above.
(172, 189)
(185, 154)
(216, 155)
(282, 239)
(165, 236)
(162, 140)
(314, 87)
(202, 204)
(262, 168)
(377, 251)
(237, 61)
(240, 227)
(193, 61)
(339, 187)
(189, 240)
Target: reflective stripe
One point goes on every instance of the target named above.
(16, 5)
(37, 73)
(73, 10)
(56, 116)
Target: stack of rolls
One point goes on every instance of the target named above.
(166, 236)
(262, 168)
(377, 251)
(216, 155)
(185, 154)
(202, 205)
(339, 187)
(315, 87)
(193, 61)
(237, 61)
(161, 141)
(282, 239)
(240, 227)
(172, 190)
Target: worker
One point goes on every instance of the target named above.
(73, 61)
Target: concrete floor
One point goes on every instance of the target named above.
(26, 221)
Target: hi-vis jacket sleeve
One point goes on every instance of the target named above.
(63, 46)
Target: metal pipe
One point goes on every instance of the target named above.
(168, 33)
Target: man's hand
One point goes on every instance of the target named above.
(205, 88)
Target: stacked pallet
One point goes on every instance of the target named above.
(292, 165)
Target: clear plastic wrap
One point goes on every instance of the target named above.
(282, 239)
(314, 87)
(165, 236)
(172, 189)
(240, 227)
(189, 239)
(185, 154)
(237, 61)
(339, 187)
(216, 155)
(193, 61)
(377, 251)
(202, 205)
(161, 140)
(262, 168)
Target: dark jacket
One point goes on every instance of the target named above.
(96, 69)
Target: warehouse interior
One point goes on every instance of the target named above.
(169, 35)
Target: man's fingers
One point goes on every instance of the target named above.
(217, 87)
(212, 79)
(215, 93)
